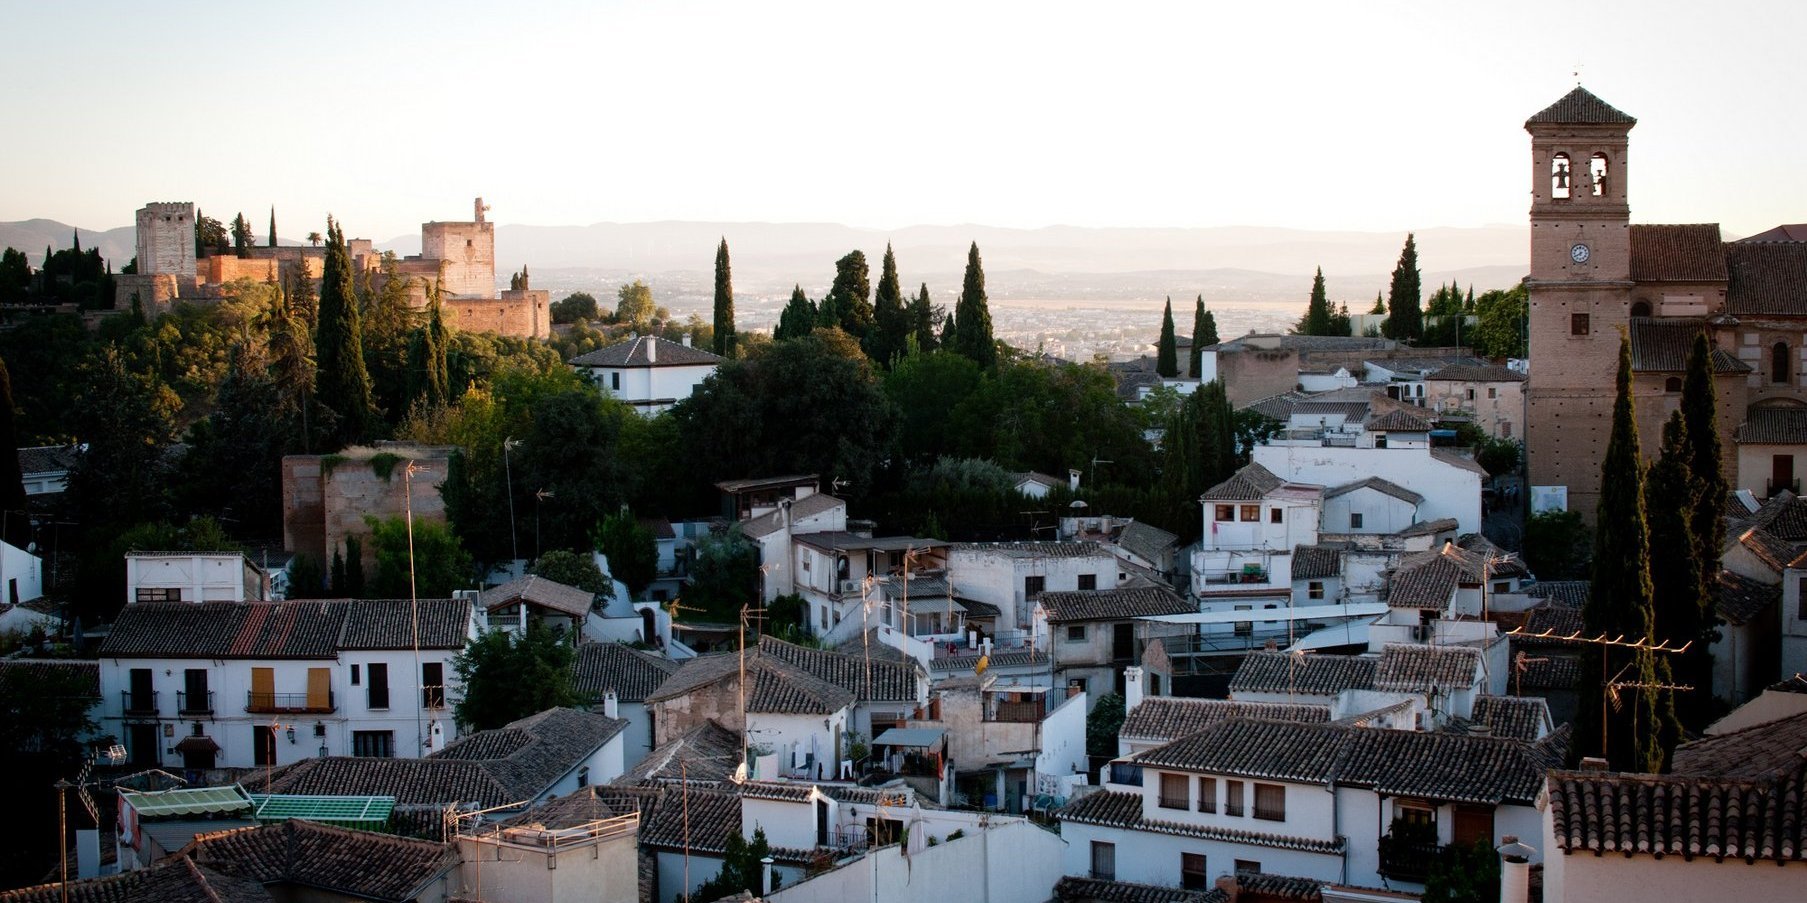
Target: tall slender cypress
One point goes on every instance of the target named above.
(1405, 296)
(891, 325)
(922, 321)
(1167, 352)
(1699, 411)
(972, 337)
(1680, 590)
(1317, 310)
(272, 226)
(1198, 337)
(344, 384)
(725, 338)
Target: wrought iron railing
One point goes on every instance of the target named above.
(288, 703)
(194, 703)
(140, 703)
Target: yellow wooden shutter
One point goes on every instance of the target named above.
(319, 689)
(263, 687)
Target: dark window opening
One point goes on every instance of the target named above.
(1579, 325)
(1640, 308)
(1778, 363)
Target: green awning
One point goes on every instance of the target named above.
(187, 801)
(345, 810)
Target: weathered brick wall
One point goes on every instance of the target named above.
(166, 239)
(326, 498)
(525, 316)
(469, 252)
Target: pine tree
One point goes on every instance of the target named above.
(1619, 603)
(343, 385)
(848, 303)
(891, 321)
(1167, 352)
(725, 338)
(1405, 316)
(272, 226)
(922, 321)
(798, 318)
(1317, 310)
(1198, 338)
(950, 330)
(973, 338)
(1679, 604)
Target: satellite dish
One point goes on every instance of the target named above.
(740, 773)
(1077, 504)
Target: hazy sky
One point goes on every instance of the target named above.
(1372, 116)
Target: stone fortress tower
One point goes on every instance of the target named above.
(467, 251)
(166, 239)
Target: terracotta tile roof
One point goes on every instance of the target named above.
(1279, 887)
(1495, 562)
(1429, 579)
(1252, 483)
(1441, 766)
(1314, 407)
(1513, 717)
(1661, 345)
(777, 687)
(1317, 562)
(46, 459)
(583, 806)
(1554, 672)
(174, 879)
(294, 853)
(1561, 593)
(1411, 668)
(1119, 604)
(712, 815)
(1311, 675)
(705, 753)
(1558, 620)
(531, 754)
(1172, 717)
(1784, 232)
(869, 644)
(1094, 890)
(1398, 419)
(537, 590)
(1773, 425)
(999, 659)
(1278, 407)
(1684, 815)
(1124, 810)
(1146, 541)
(772, 521)
(1741, 599)
(1431, 527)
(1677, 253)
(301, 629)
(637, 352)
(1037, 549)
(1378, 484)
(1459, 461)
(1477, 373)
(1767, 277)
(1580, 107)
(631, 673)
(799, 791)
(874, 681)
(1768, 750)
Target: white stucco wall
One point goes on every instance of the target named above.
(1152, 858)
(602, 872)
(201, 577)
(640, 385)
(1449, 490)
(1016, 861)
(1381, 513)
(1615, 878)
(788, 735)
(997, 577)
(21, 575)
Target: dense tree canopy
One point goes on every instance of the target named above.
(508, 675)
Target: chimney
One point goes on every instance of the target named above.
(1515, 870)
(1072, 480)
(1132, 689)
(765, 876)
(1595, 763)
(611, 705)
(1270, 646)
(652, 349)
(687, 340)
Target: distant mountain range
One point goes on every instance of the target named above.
(1227, 264)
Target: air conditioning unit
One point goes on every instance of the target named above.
(850, 587)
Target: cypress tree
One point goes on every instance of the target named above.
(950, 330)
(343, 385)
(242, 238)
(848, 303)
(1405, 316)
(798, 318)
(15, 523)
(922, 320)
(1699, 412)
(891, 322)
(1317, 310)
(1681, 590)
(1619, 603)
(1198, 337)
(1380, 307)
(272, 225)
(1210, 327)
(1167, 351)
(973, 338)
(725, 338)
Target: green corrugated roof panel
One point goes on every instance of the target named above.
(346, 810)
(187, 801)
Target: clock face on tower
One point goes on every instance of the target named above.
(1579, 253)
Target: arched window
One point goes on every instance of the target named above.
(1559, 176)
(1778, 363)
(1672, 385)
(1640, 308)
(1596, 174)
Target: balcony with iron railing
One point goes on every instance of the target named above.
(194, 703)
(289, 703)
(1407, 858)
(140, 703)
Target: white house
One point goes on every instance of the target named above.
(193, 577)
(1013, 575)
(773, 527)
(21, 574)
(249, 684)
(1449, 484)
(836, 573)
(648, 372)
(45, 468)
(618, 673)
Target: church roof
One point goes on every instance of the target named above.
(1580, 107)
(1661, 345)
(1784, 232)
(1773, 425)
(1766, 277)
(1677, 253)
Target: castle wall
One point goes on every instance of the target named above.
(517, 312)
(325, 498)
(469, 252)
(166, 239)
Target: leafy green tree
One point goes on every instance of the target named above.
(741, 872)
(126, 420)
(724, 302)
(1405, 319)
(1498, 456)
(1499, 323)
(848, 303)
(1317, 311)
(724, 578)
(631, 548)
(923, 387)
(15, 276)
(1619, 602)
(388, 321)
(574, 307)
(210, 235)
(891, 322)
(1167, 351)
(440, 563)
(509, 675)
(1103, 724)
(233, 464)
(922, 321)
(571, 569)
(973, 337)
(1030, 416)
(343, 385)
(1464, 873)
(798, 318)
(569, 452)
(634, 305)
